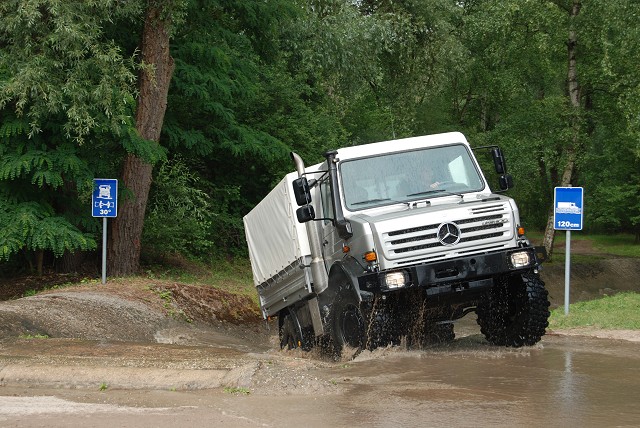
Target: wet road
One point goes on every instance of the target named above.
(563, 381)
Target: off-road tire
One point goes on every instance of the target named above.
(347, 322)
(288, 336)
(291, 335)
(438, 333)
(515, 311)
(381, 329)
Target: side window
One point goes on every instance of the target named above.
(325, 196)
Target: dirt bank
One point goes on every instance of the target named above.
(161, 311)
(592, 278)
(124, 309)
(136, 309)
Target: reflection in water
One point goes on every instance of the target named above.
(569, 393)
(560, 382)
(567, 390)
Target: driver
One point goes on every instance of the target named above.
(421, 181)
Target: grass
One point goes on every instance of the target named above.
(237, 390)
(619, 312)
(32, 292)
(232, 275)
(34, 336)
(619, 245)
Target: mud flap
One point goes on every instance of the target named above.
(316, 320)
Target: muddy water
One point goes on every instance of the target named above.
(563, 381)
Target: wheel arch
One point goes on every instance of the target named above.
(345, 272)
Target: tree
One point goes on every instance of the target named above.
(574, 146)
(108, 87)
(235, 110)
(155, 76)
(611, 163)
(508, 89)
(65, 91)
(556, 97)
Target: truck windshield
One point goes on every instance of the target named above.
(408, 176)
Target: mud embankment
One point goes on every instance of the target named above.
(592, 279)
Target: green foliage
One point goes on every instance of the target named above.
(63, 83)
(380, 62)
(58, 62)
(179, 214)
(215, 72)
(510, 90)
(255, 80)
(147, 150)
(532, 137)
(34, 336)
(619, 311)
(237, 390)
(41, 165)
(610, 169)
(36, 175)
(34, 227)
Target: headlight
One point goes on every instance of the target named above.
(396, 279)
(520, 259)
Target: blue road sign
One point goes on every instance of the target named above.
(568, 208)
(104, 201)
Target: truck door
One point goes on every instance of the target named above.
(331, 241)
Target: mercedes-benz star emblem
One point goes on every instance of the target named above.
(448, 234)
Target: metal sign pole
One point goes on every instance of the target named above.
(104, 203)
(567, 272)
(568, 203)
(104, 250)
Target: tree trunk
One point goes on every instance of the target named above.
(126, 230)
(574, 98)
(40, 262)
(70, 261)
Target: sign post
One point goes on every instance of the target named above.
(104, 203)
(568, 205)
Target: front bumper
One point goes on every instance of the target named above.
(452, 276)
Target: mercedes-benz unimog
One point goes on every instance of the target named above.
(395, 241)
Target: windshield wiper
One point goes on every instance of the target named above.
(432, 192)
(369, 201)
(426, 192)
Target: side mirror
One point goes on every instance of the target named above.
(301, 191)
(498, 160)
(506, 182)
(305, 214)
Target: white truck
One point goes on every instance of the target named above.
(395, 241)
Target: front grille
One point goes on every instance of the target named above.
(419, 247)
(477, 219)
(415, 238)
(413, 230)
(484, 225)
